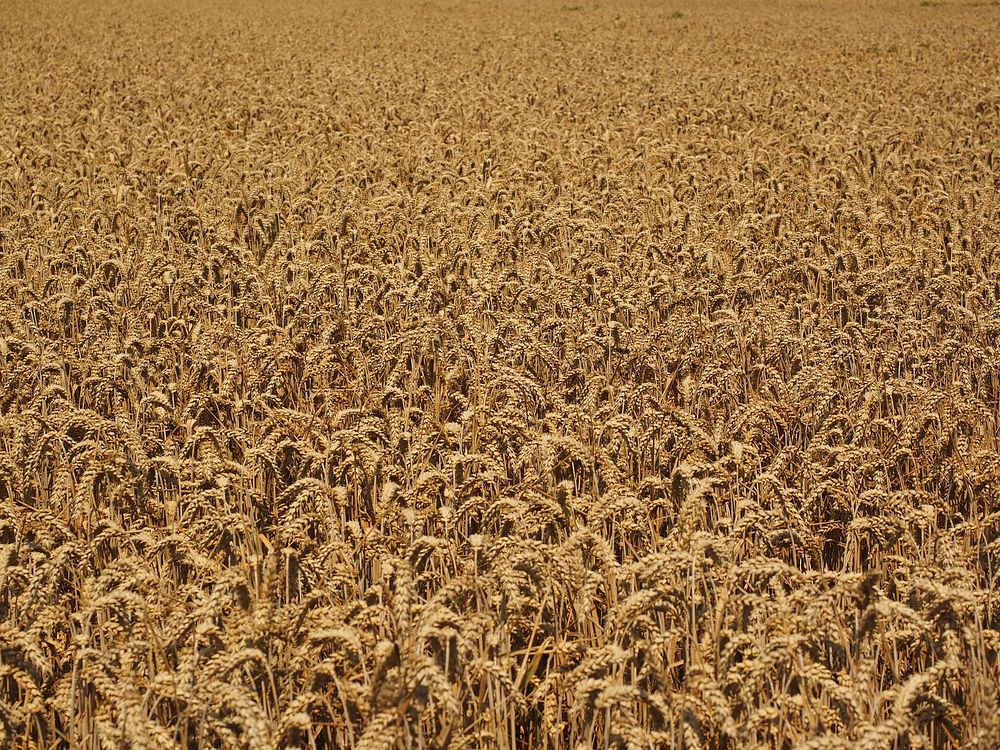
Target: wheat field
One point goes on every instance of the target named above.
(516, 375)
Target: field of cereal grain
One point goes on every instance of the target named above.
(516, 375)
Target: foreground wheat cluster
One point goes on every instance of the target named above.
(499, 374)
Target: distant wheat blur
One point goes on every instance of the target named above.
(499, 375)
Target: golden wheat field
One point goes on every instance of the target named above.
(499, 374)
